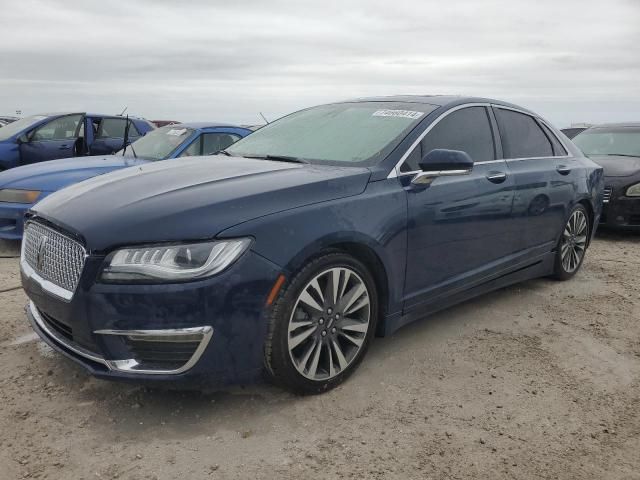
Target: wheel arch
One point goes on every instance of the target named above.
(586, 203)
(362, 249)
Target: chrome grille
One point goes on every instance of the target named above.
(607, 194)
(52, 255)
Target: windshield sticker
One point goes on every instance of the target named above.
(177, 131)
(398, 113)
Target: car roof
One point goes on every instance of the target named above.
(438, 100)
(88, 114)
(618, 124)
(205, 125)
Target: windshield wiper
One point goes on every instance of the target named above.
(134, 152)
(223, 152)
(278, 158)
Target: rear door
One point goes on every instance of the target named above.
(545, 178)
(109, 137)
(459, 227)
(54, 139)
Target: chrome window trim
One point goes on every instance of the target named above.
(395, 171)
(536, 117)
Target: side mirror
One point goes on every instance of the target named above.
(446, 160)
(24, 138)
(440, 162)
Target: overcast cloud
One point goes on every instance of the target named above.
(569, 60)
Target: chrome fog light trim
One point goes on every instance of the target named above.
(177, 335)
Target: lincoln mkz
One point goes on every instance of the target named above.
(285, 254)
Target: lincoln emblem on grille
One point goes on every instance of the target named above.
(40, 252)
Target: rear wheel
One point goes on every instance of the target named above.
(573, 244)
(322, 324)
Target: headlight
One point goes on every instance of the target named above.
(172, 262)
(19, 196)
(633, 190)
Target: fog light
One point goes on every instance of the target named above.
(169, 351)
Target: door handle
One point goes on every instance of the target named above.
(496, 177)
(563, 170)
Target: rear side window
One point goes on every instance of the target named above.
(133, 131)
(467, 129)
(558, 149)
(111, 128)
(521, 135)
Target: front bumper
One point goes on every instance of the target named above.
(108, 328)
(620, 211)
(12, 220)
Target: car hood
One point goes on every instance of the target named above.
(617, 166)
(56, 174)
(191, 199)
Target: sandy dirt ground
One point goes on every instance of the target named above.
(539, 380)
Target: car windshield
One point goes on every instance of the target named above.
(359, 133)
(159, 144)
(19, 125)
(624, 141)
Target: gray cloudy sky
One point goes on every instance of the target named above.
(570, 60)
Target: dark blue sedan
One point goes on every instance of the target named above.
(62, 135)
(21, 187)
(290, 252)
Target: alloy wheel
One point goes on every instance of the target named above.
(329, 323)
(574, 241)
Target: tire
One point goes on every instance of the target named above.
(572, 245)
(312, 346)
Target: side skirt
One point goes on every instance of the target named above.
(540, 268)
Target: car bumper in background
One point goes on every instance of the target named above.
(12, 220)
(620, 211)
(207, 333)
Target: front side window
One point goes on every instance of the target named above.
(61, 128)
(18, 126)
(214, 142)
(620, 141)
(160, 144)
(521, 135)
(358, 133)
(467, 129)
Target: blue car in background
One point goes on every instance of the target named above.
(21, 187)
(314, 233)
(62, 135)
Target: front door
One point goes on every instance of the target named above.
(52, 140)
(459, 227)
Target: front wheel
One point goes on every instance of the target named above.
(572, 245)
(322, 324)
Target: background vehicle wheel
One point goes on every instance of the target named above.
(573, 244)
(322, 324)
